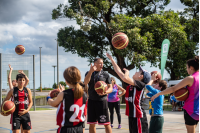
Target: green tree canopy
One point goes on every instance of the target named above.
(145, 29)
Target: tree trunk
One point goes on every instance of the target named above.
(124, 85)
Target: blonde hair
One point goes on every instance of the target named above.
(73, 76)
(112, 78)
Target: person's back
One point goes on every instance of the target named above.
(72, 108)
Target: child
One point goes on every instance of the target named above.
(173, 102)
(73, 107)
(14, 84)
(156, 110)
(22, 98)
(137, 116)
(191, 105)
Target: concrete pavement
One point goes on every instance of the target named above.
(45, 121)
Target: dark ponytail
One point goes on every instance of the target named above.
(194, 63)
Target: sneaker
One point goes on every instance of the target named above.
(119, 127)
(111, 126)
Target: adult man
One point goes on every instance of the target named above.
(97, 103)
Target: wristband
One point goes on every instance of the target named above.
(48, 98)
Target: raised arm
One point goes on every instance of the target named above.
(27, 79)
(89, 74)
(188, 81)
(9, 77)
(124, 76)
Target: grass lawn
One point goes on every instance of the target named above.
(40, 109)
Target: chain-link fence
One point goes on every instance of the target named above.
(17, 62)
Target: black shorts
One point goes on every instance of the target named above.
(189, 120)
(23, 120)
(97, 112)
(138, 125)
(75, 129)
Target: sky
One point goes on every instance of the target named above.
(29, 23)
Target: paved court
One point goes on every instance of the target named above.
(45, 122)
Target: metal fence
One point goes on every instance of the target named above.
(17, 62)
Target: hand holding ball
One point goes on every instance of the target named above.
(101, 87)
(8, 107)
(54, 93)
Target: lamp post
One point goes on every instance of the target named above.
(57, 66)
(40, 72)
(54, 73)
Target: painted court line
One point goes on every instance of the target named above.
(6, 129)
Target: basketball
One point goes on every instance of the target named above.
(120, 40)
(181, 94)
(8, 107)
(19, 49)
(158, 75)
(54, 93)
(100, 87)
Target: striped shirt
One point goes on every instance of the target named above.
(133, 99)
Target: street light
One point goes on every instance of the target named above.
(40, 72)
(54, 73)
(57, 66)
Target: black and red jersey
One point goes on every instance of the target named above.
(133, 99)
(71, 111)
(20, 98)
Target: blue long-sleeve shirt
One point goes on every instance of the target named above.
(156, 107)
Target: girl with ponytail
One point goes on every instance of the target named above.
(191, 105)
(73, 102)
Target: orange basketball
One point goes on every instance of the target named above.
(181, 94)
(54, 93)
(100, 87)
(120, 40)
(8, 107)
(19, 49)
(158, 75)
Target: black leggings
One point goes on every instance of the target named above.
(111, 106)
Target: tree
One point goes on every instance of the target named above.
(54, 85)
(62, 83)
(189, 18)
(145, 29)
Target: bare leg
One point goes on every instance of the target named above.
(191, 128)
(92, 128)
(16, 131)
(21, 128)
(83, 130)
(108, 129)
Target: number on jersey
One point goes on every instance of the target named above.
(77, 110)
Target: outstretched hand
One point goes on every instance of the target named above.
(153, 77)
(109, 56)
(93, 68)
(62, 88)
(20, 71)
(10, 67)
(154, 97)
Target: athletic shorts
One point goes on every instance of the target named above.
(75, 129)
(97, 112)
(138, 125)
(23, 120)
(189, 120)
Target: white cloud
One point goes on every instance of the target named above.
(33, 27)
